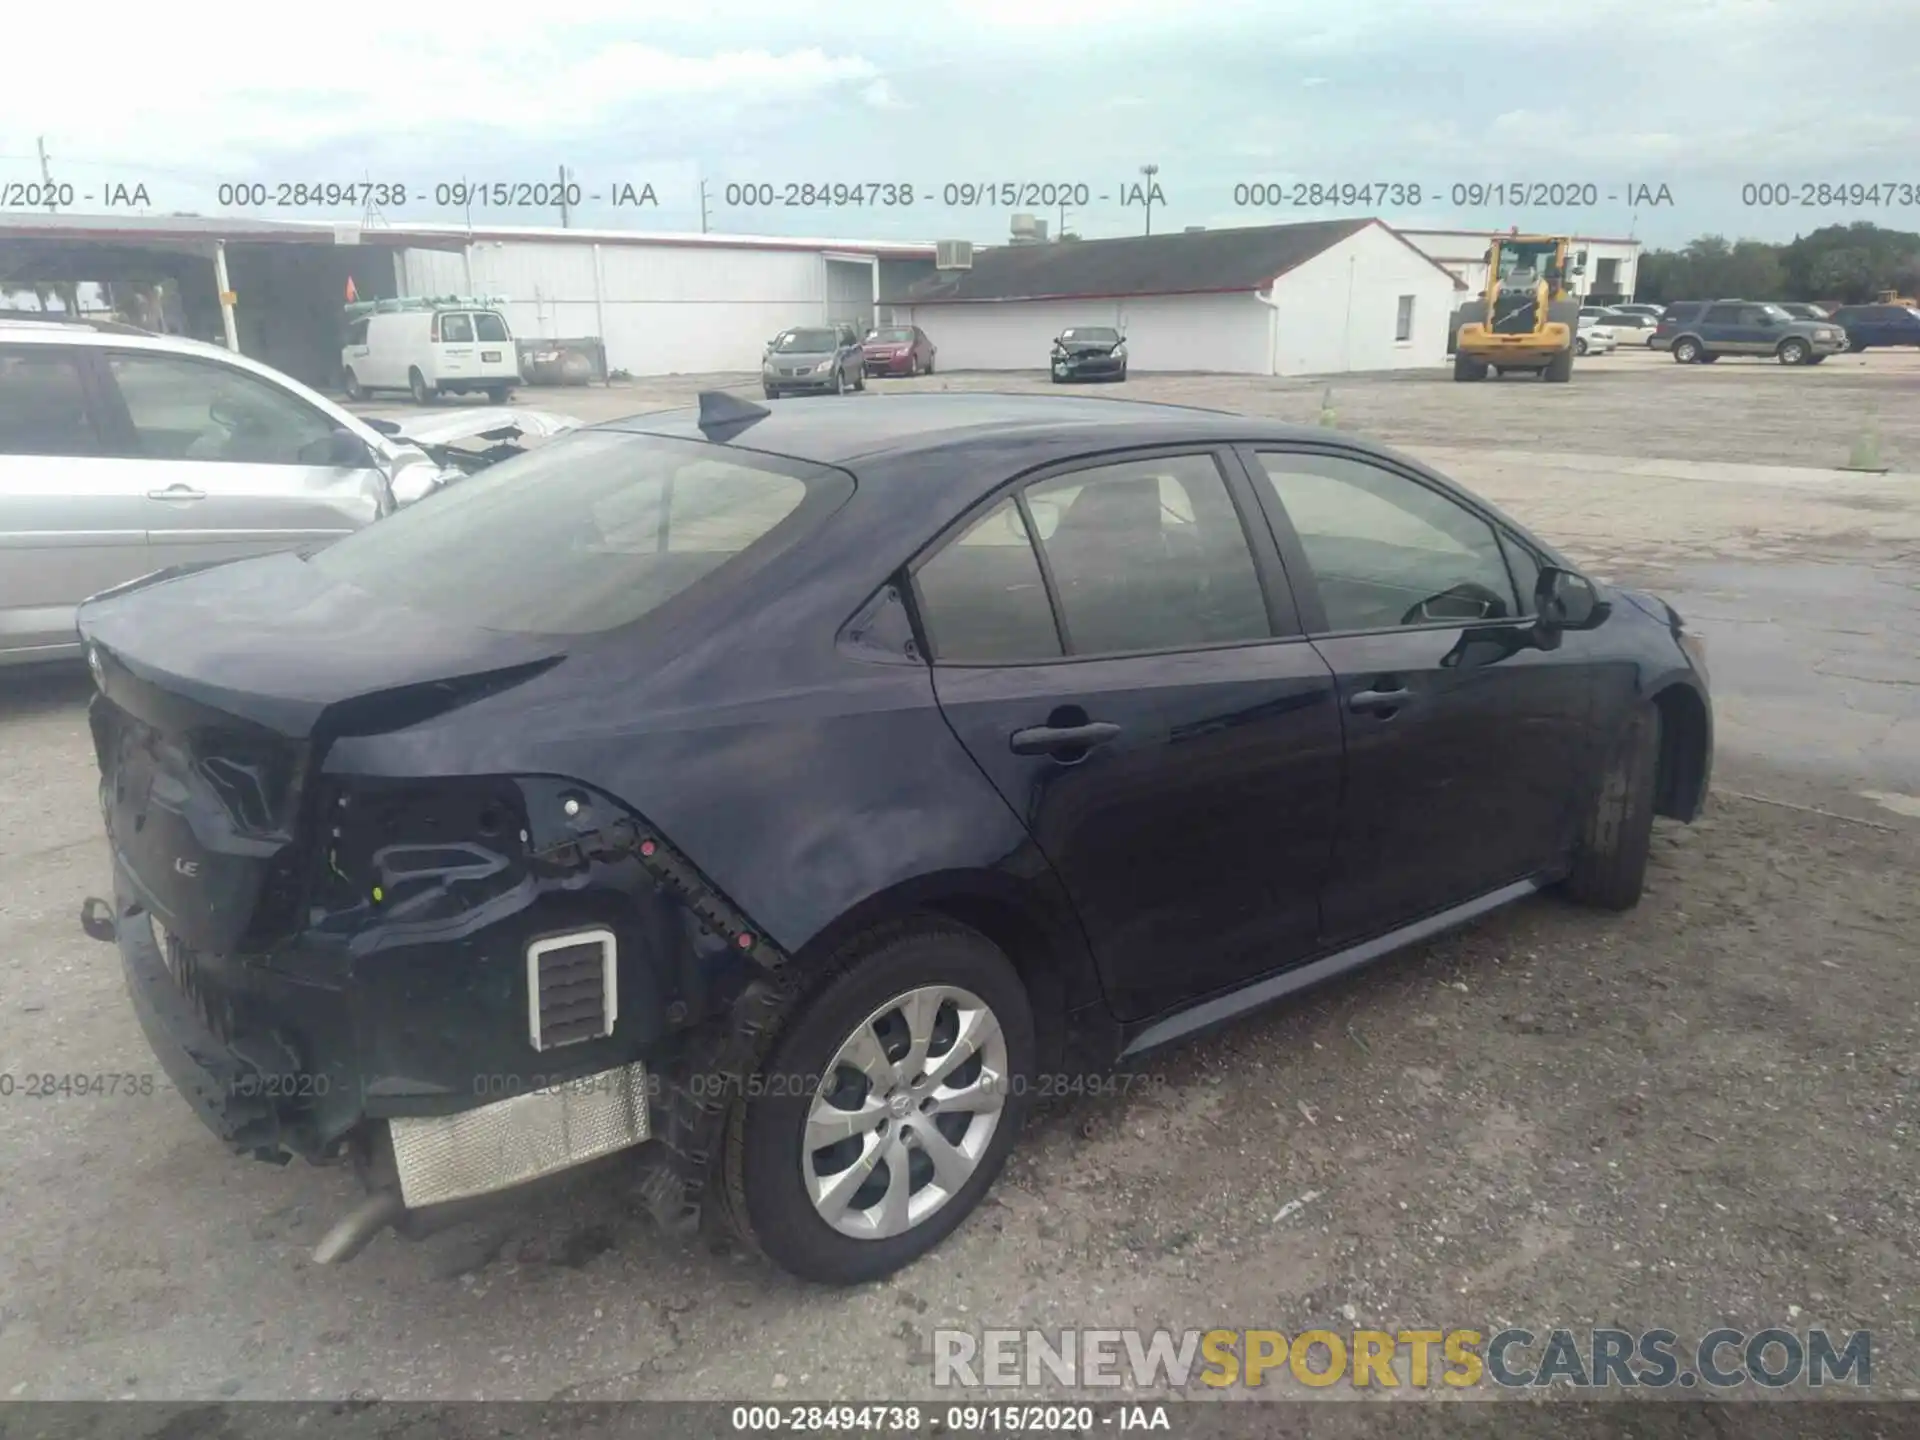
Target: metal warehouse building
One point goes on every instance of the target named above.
(651, 304)
(661, 304)
(1313, 299)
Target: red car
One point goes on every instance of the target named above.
(898, 350)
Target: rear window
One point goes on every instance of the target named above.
(488, 326)
(456, 329)
(586, 534)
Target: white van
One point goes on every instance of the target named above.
(429, 350)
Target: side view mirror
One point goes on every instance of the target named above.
(1565, 600)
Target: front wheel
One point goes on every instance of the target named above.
(902, 1087)
(913, 367)
(1580, 346)
(1559, 370)
(1794, 352)
(1610, 856)
(350, 384)
(860, 378)
(840, 382)
(499, 394)
(417, 387)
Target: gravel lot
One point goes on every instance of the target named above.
(1698, 1114)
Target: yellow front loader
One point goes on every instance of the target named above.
(1528, 317)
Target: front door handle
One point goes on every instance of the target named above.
(1378, 702)
(177, 492)
(1057, 739)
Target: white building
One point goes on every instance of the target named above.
(1612, 264)
(661, 304)
(1312, 299)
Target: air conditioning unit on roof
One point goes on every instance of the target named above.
(953, 254)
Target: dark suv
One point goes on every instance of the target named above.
(1700, 332)
(1870, 325)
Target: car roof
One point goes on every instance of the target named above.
(838, 431)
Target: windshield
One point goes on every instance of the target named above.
(1516, 258)
(807, 342)
(586, 534)
(1098, 335)
(892, 337)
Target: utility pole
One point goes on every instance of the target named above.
(563, 198)
(703, 205)
(46, 176)
(1149, 171)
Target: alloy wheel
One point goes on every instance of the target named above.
(904, 1112)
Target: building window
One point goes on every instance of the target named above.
(1403, 323)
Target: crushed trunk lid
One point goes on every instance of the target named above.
(219, 692)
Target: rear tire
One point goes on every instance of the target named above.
(350, 384)
(1559, 369)
(1610, 856)
(860, 378)
(1467, 368)
(499, 394)
(930, 364)
(767, 1169)
(1686, 352)
(417, 387)
(1580, 346)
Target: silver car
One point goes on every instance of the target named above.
(122, 453)
(814, 360)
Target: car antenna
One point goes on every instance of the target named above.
(723, 416)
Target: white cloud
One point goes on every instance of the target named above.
(882, 96)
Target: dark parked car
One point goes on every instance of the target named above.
(1871, 325)
(813, 360)
(1089, 352)
(899, 350)
(1702, 332)
(793, 794)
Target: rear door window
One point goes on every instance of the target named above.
(1721, 315)
(489, 328)
(43, 403)
(456, 329)
(1148, 555)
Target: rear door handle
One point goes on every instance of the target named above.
(1054, 739)
(177, 492)
(1373, 702)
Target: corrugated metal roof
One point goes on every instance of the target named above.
(883, 249)
(64, 226)
(1193, 262)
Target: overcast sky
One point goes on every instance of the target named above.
(1699, 96)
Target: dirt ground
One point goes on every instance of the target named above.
(1701, 1113)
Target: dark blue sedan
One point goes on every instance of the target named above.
(788, 795)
